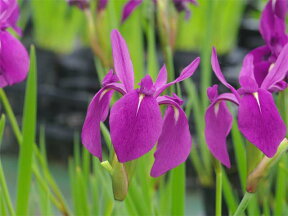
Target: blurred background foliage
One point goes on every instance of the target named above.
(68, 77)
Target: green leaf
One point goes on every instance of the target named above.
(240, 154)
(280, 188)
(29, 132)
(178, 183)
(2, 127)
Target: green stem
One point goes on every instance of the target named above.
(218, 209)
(19, 137)
(244, 203)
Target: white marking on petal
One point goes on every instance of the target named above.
(256, 96)
(176, 114)
(216, 108)
(103, 93)
(271, 66)
(141, 96)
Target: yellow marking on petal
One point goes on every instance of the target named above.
(271, 66)
(176, 113)
(141, 96)
(256, 96)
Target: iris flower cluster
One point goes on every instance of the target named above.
(136, 123)
(263, 72)
(131, 5)
(14, 60)
(180, 5)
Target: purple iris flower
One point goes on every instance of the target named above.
(180, 5)
(14, 60)
(82, 4)
(258, 118)
(273, 31)
(136, 124)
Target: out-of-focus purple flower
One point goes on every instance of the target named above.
(14, 60)
(273, 31)
(82, 4)
(102, 5)
(129, 7)
(258, 118)
(180, 5)
(136, 124)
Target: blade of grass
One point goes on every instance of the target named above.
(29, 132)
(11, 116)
(280, 197)
(177, 178)
(5, 193)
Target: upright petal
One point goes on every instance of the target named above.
(174, 144)
(218, 72)
(279, 71)
(14, 60)
(260, 121)
(186, 73)
(247, 79)
(129, 7)
(122, 61)
(218, 121)
(135, 125)
(273, 26)
(97, 112)
(162, 77)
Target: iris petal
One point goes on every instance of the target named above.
(122, 61)
(174, 144)
(218, 125)
(260, 121)
(14, 61)
(97, 112)
(135, 125)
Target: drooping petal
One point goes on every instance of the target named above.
(218, 121)
(260, 121)
(247, 79)
(97, 112)
(129, 7)
(162, 77)
(279, 70)
(174, 144)
(14, 60)
(217, 70)
(135, 125)
(186, 73)
(122, 61)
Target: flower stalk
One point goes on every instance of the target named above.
(263, 168)
(243, 204)
(218, 170)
